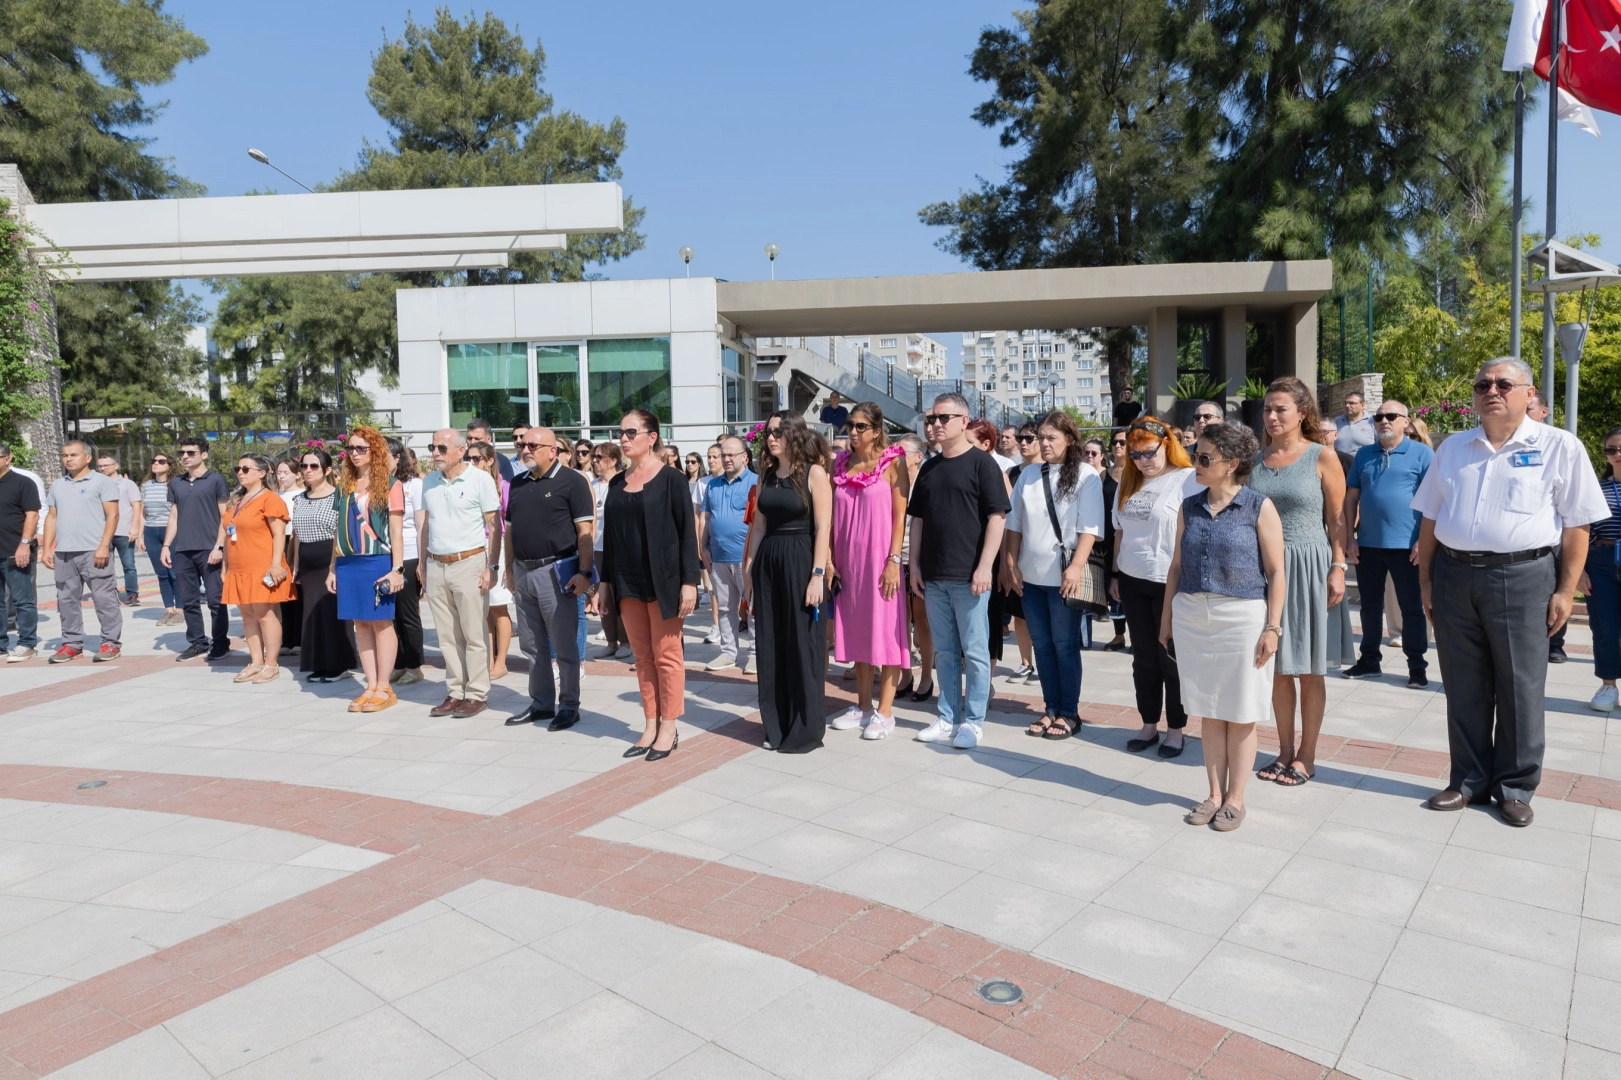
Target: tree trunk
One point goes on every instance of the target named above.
(1118, 343)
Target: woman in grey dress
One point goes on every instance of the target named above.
(1308, 488)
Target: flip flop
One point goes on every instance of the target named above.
(1273, 771)
(1290, 777)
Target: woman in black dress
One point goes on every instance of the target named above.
(784, 571)
(325, 650)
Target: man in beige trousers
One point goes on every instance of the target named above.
(460, 542)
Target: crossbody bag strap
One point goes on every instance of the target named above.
(1052, 514)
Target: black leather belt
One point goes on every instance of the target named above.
(1494, 558)
(535, 564)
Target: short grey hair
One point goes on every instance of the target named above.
(914, 442)
(1509, 361)
(954, 398)
(5, 451)
(82, 445)
(457, 438)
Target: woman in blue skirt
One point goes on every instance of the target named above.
(367, 562)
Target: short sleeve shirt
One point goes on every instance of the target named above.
(81, 512)
(544, 511)
(128, 495)
(1386, 481)
(955, 497)
(1080, 513)
(198, 504)
(456, 510)
(18, 496)
(1515, 498)
(726, 501)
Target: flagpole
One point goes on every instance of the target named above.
(1552, 196)
(1517, 259)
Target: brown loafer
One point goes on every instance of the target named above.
(1449, 799)
(445, 707)
(1201, 814)
(1227, 819)
(1515, 812)
(468, 707)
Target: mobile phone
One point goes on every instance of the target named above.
(382, 592)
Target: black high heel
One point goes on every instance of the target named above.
(905, 686)
(924, 695)
(660, 755)
(638, 751)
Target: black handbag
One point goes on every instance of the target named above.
(1094, 597)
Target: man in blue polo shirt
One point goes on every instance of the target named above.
(1378, 502)
(722, 535)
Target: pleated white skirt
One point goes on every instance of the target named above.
(1215, 638)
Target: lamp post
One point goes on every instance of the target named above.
(1572, 337)
(771, 252)
(686, 257)
(264, 159)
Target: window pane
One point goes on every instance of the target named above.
(730, 360)
(488, 380)
(734, 400)
(632, 373)
(557, 385)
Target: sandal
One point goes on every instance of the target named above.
(1061, 728)
(380, 700)
(247, 673)
(1274, 770)
(1039, 727)
(359, 704)
(1290, 777)
(269, 674)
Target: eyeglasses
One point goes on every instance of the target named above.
(1153, 427)
(858, 427)
(1390, 416)
(629, 433)
(1206, 460)
(1143, 455)
(1503, 386)
(1027, 438)
(943, 418)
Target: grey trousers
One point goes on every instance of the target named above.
(75, 570)
(1491, 630)
(549, 620)
(726, 579)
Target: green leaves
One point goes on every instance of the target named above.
(23, 329)
(1197, 388)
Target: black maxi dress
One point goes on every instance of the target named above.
(325, 648)
(790, 646)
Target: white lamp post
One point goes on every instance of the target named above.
(1572, 337)
(771, 252)
(264, 159)
(686, 257)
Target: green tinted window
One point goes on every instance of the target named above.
(557, 385)
(489, 380)
(629, 373)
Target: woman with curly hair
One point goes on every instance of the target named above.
(368, 560)
(784, 573)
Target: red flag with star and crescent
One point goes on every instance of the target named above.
(1590, 54)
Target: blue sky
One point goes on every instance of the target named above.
(819, 127)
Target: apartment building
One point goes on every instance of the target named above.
(918, 355)
(1035, 370)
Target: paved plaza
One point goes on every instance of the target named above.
(262, 884)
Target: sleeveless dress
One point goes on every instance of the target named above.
(790, 645)
(869, 629)
(1313, 634)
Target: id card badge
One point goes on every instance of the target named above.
(230, 531)
(1526, 459)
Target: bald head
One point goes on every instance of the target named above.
(1390, 431)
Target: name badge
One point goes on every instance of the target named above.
(1526, 458)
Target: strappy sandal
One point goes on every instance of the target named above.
(247, 673)
(1290, 777)
(380, 700)
(1274, 770)
(1039, 727)
(359, 704)
(269, 674)
(1061, 728)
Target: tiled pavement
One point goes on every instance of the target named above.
(1351, 928)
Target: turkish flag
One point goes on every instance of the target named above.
(1590, 51)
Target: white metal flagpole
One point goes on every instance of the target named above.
(1557, 29)
(1517, 263)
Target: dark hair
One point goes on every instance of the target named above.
(151, 474)
(875, 416)
(478, 423)
(1236, 443)
(647, 422)
(405, 460)
(1069, 473)
(802, 448)
(1609, 470)
(196, 442)
(609, 450)
(320, 455)
(1311, 420)
(261, 462)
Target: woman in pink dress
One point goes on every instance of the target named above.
(869, 521)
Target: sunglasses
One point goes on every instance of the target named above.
(1608, 450)
(190, 453)
(943, 418)
(1118, 443)
(629, 433)
(1206, 460)
(598, 457)
(773, 432)
(535, 445)
(248, 468)
(1143, 455)
(307, 465)
(1027, 438)
(1503, 386)
(858, 427)
(1391, 416)
(358, 448)
(160, 461)
(439, 448)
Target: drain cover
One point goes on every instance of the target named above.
(92, 783)
(1001, 992)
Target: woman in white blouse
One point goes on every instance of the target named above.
(1044, 565)
(1155, 479)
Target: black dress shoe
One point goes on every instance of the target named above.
(660, 755)
(1166, 750)
(525, 717)
(636, 751)
(1137, 746)
(1417, 680)
(1361, 670)
(1515, 812)
(565, 719)
(192, 652)
(1556, 655)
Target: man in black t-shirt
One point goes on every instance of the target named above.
(958, 505)
(1125, 409)
(551, 517)
(19, 517)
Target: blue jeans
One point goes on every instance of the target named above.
(1604, 611)
(1055, 634)
(154, 552)
(19, 582)
(961, 625)
(125, 550)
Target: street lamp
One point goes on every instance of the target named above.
(771, 252)
(264, 159)
(686, 257)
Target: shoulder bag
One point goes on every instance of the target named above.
(1094, 595)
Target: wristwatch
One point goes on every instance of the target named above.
(818, 571)
(896, 559)
(1340, 566)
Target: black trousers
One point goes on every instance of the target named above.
(1491, 631)
(408, 620)
(1372, 566)
(1153, 672)
(197, 583)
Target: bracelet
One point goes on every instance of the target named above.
(1278, 630)
(1340, 566)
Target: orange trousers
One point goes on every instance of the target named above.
(656, 642)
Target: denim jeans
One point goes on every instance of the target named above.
(1055, 635)
(124, 548)
(1604, 611)
(18, 581)
(197, 584)
(961, 626)
(166, 578)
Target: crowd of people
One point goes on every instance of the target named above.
(1219, 560)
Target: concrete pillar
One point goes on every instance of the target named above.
(1232, 339)
(1161, 362)
(1297, 344)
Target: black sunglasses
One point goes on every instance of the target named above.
(943, 418)
(858, 427)
(1504, 386)
(1206, 460)
(1144, 455)
(360, 449)
(1027, 438)
(160, 461)
(630, 433)
(1391, 416)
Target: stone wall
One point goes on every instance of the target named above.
(43, 433)
(1331, 396)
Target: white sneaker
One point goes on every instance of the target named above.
(624, 653)
(852, 717)
(939, 731)
(967, 737)
(878, 725)
(20, 654)
(1605, 699)
(721, 663)
(751, 668)
(713, 637)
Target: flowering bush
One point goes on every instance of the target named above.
(756, 433)
(1447, 416)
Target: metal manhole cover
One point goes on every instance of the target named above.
(92, 784)
(1001, 992)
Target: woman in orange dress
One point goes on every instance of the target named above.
(256, 577)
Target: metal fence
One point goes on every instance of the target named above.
(134, 439)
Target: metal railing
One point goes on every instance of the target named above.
(134, 439)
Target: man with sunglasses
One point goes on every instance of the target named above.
(958, 507)
(460, 504)
(1507, 508)
(194, 547)
(1379, 512)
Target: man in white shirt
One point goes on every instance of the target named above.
(459, 543)
(1506, 509)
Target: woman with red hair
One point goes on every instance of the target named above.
(368, 559)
